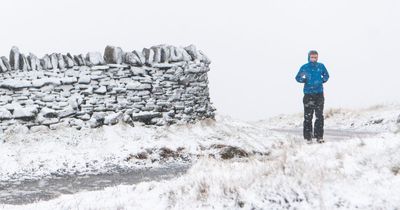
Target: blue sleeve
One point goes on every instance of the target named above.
(325, 74)
(300, 77)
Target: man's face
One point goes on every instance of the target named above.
(314, 58)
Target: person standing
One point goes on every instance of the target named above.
(313, 74)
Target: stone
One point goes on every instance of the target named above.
(145, 116)
(46, 81)
(165, 54)
(84, 79)
(192, 51)
(34, 62)
(140, 56)
(39, 128)
(5, 114)
(101, 90)
(94, 58)
(138, 71)
(45, 62)
(69, 63)
(69, 60)
(14, 58)
(113, 55)
(94, 68)
(157, 53)
(137, 86)
(149, 55)
(6, 63)
(97, 119)
(172, 87)
(26, 113)
(23, 63)
(67, 112)
(54, 60)
(15, 84)
(131, 59)
(79, 60)
(3, 68)
(69, 80)
(112, 119)
(48, 113)
(60, 60)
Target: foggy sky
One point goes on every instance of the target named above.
(256, 47)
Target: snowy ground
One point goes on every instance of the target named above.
(271, 169)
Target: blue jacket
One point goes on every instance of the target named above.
(313, 75)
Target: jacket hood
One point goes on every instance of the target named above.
(309, 53)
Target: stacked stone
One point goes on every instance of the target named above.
(160, 85)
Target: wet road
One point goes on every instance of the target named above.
(35, 190)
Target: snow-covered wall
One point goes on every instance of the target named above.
(160, 85)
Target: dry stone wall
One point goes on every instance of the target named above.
(160, 85)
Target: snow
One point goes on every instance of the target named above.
(69, 151)
(355, 173)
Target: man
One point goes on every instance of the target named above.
(313, 74)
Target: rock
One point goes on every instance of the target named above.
(23, 63)
(112, 119)
(46, 81)
(34, 62)
(45, 62)
(113, 55)
(197, 55)
(84, 79)
(94, 58)
(48, 98)
(69, 80)
(97, 119)
(6, 63)
(204, 58)
(78, 60)
(69, 62)
(14, 58)
(138, 71)
(177, 54)
(27, 113)
(3, 68)
(126, 118)
(145, 116)
(192, 51)
(67, 112)
(157, 53)
(165, 54)
(149, 55)
(141, 57)
(101, 90)
(99, 67)
(15, 84)
(60, 60)
(54, 60)
(131, 59)
(39, 128)
(171, 88)
(138, 86)
(5, 114)
(48, 113)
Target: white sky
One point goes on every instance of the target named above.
(256, 47)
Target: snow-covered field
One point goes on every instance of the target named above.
(270, 170)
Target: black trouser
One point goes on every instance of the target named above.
(313, 103)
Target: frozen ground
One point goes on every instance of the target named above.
(234, 164)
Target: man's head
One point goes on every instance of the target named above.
(313, 56)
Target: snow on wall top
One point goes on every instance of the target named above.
(160, 85)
